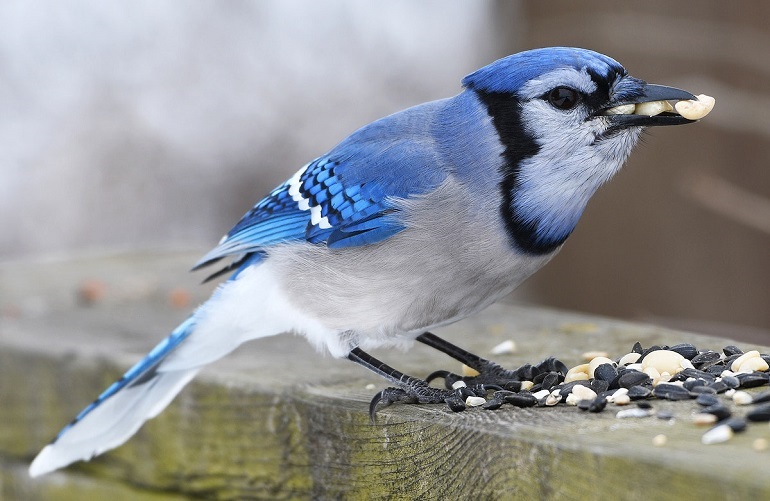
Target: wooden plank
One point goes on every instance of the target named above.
(276, 421)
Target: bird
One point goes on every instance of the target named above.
(412, 222)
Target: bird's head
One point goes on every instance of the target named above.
(567, 118)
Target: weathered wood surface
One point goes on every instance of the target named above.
(276, 421)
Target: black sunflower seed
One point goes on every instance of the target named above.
(521, 399)
(633, 378)
(732, 350)
(706, 399)
(566, 388)
(671, 392)
(493, 404)
(719, 386)
(698, 390)
(598, 404)
(648, 351)
(752, 379)
(694, 373)
(718, 410)
(759, 413)
(606, 372)
(687, 350)
(737, 424)
(705, 359)
(731, 381)
(638, 392)
(761, 398)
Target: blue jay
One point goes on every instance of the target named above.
(413, 222)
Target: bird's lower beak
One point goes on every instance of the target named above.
(652, 107)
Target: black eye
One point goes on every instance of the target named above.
(563, 98)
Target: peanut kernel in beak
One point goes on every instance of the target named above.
(695, 110)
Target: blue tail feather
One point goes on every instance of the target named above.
(141, 371)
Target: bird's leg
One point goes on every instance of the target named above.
(411, 390)
(490, 374)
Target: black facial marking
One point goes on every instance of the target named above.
(505, 112)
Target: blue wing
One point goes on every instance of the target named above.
(343, 199)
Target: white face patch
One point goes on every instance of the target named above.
(554, 186)
(562, 77)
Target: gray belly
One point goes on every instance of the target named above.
(452, 260)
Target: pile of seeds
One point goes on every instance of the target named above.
(680, 372)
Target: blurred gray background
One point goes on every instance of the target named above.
(156, 125)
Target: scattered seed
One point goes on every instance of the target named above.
(634, 413)
(629, 358)
(663, 361)
(608, 372)
(760, 444)
(761, 398)
(521, 400)
(719, 410)
(703, 419)
(670, 391)
(599, 386)
(455, 404)
(706, 399)
(730, 350)
(492, 404)
(718, 434)
(577, 373)
(459, 384)
(754, 364)
(633, 378)
(598, 404)
(475, 401)
(665, 415)
(705, 359)
(759, 414)
(659, 440)
(596, 362)
(736, 365)
(572, 399)
(371, 386)
(621, 399)
(469, 371)
(687, 350)
(736, 424)
(752, 380)
(583, 405)
(619, 392)
(700, 390)
(719, 386)
(742, 398)
(504, 348)
(583, 392)
(639, 392)
(526, 385)
(553, 398)
(652, 372)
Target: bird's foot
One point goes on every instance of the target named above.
(547, 374)
(418, 392)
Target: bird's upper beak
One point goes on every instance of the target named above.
(647, 105)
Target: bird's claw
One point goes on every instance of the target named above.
(494, 377)
(454, 398)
